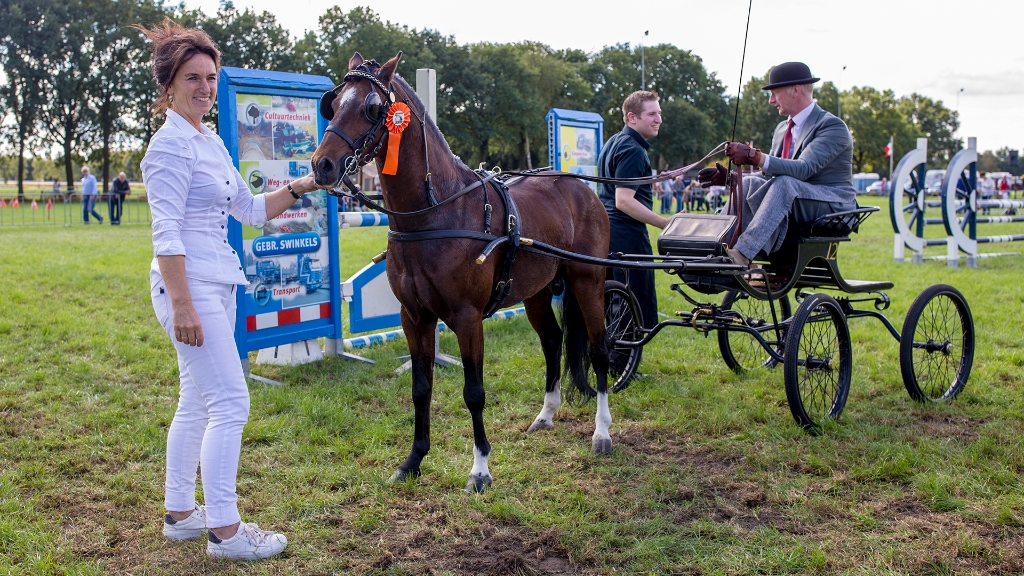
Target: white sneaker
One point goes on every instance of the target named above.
(191, 527)
(249, 543)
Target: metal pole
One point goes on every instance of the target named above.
(643, 74)
(957, 131)
(839, 100)
(892, 152)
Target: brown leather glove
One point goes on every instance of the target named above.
(712, 176)
(743, 155)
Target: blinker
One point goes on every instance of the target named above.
(371, 106)
(327, 104)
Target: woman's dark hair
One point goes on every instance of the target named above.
(172, 45)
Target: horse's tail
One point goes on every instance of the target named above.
(577, 349)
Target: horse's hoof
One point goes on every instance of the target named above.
(602, 445)
(403, 475)
(477, 483)
(539, 424)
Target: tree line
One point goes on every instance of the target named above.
(78, 87)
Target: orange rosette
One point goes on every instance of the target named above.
(399, 117)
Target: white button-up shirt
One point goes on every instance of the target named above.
(192, 186)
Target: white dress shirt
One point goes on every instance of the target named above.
(192, 186)
(798, 124)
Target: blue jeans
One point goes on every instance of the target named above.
(89, 206)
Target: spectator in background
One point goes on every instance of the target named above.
(986, 189)
(678, 186)
(119, 189)
(665, 193)
(89, 196)
(688, 197)
(1004, 189)
(56, 188)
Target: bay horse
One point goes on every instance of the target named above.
(435, 273)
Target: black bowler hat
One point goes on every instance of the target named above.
(789, 74)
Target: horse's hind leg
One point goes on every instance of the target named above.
(542, 318)
(420, 333)
(470, 332)
(587, 283)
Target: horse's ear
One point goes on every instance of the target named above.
(356, 60)
(387, 71)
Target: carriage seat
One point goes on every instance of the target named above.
(835, 225)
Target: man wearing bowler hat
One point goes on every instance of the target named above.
(811, 159)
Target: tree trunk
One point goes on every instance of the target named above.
(105, 125)
(67, 165)
(21, 167)
(483, 149)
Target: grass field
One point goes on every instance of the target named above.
(709, 473)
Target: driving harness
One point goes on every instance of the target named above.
(375, 110)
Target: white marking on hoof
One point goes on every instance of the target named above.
(602, 442)
(479, 476)
(479, 464)
(552, 400)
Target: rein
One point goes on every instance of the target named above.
(355, 193)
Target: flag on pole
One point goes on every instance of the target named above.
(888, 148)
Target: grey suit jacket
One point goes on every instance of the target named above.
(822, 155)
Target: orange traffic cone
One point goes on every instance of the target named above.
(34, 205)
(49, 204)
(14, 203)
(3, 204)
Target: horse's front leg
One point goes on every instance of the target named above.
(542, 318)
(470, 332)
(420, 333)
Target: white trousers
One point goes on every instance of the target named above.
(213, 406)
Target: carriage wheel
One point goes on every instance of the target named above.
(621, 314)
(819, 361)
(937, 344)
(740, 350)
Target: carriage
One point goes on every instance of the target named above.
(756, 326)
(465, 242)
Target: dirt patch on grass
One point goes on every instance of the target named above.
(939, 425)
(428, 540)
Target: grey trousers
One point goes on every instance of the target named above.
(768, 205)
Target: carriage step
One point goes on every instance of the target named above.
(868, 285)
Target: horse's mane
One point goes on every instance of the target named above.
(421, 111)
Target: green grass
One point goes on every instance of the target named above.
(709, 474)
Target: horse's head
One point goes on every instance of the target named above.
(356, 109)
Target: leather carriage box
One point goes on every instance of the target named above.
(695, 235)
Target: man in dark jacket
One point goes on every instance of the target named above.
(119, 189)
(630, 208)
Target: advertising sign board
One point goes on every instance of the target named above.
(270, 126)
(574, 141)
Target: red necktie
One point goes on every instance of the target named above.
(787, 140)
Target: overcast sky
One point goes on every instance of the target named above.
(932, 47)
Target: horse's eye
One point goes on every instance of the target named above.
(371, 108)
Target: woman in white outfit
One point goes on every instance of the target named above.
(192, 187)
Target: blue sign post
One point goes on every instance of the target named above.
(574, 141)
(270, 126)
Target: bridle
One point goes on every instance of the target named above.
(376, 111)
